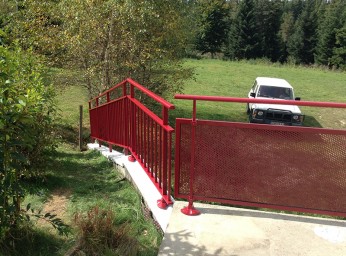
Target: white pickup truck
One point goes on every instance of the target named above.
(273, 88)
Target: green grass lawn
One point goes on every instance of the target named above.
(234, 79)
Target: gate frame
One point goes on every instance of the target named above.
(190, 209)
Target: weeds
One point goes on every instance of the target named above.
(98, 235)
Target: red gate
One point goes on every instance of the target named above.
(118, 118)
(269, 166)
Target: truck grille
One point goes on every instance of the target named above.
(279, 116)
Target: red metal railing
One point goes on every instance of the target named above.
(268, 166)
(118, 118)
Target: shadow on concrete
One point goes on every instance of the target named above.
(273, 215)
(179, 245)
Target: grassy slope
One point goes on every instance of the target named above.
(234, 79)
(86, 179)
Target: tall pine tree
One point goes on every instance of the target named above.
(268, 17)
(302, 44)
(332, 21)
(245, 43)
(214, 25)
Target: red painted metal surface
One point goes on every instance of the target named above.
(266, 101)
(279, 167)
(118, 118)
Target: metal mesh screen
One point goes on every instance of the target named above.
(107, 122)
(295, 167)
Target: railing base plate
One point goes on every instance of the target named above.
(131, 158)
(161, 203)
(190, 210)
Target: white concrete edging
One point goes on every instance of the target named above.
(137, 175)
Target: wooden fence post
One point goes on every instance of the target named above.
(80, 127)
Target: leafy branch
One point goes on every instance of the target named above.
(57, 223)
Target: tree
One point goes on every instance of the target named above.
(35, 25)
(214, 26)
(244, 34)
(332, 21)
(302, 44)
(286, 31)
(268, 17)
(107, 40)
(339, 52)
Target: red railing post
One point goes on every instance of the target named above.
(161, 203)
(190, 209)
(127, 117)
(108, 123)
(97, 104)
(91, 121)
(133, 134)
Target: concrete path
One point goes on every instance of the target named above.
(231, 231)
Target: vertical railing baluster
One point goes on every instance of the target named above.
(141, 136)
(169, 165)
(145, 140)
(156, 154)
(152, 147)
(160, 160)
(138, 133)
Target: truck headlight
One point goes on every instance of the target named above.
(258, 114)
(298, 118)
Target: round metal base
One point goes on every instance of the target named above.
(131, 158)
(161, 204)
(190, 210)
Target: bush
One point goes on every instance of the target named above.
(26, 120)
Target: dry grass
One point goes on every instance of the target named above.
(98, 234)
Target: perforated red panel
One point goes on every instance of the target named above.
(107, 122)
(296, 167)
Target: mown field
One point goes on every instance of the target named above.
(234, 79)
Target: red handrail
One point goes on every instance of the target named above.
(266, 101)
(133, 83)
(152, 95)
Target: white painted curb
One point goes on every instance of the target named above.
(138, 176)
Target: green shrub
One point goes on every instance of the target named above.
(26, 117)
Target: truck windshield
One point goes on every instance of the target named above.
(275, 92)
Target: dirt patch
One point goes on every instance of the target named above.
(57, 204)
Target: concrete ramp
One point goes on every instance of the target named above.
(221, 230)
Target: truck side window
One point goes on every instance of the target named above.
(254, 87)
